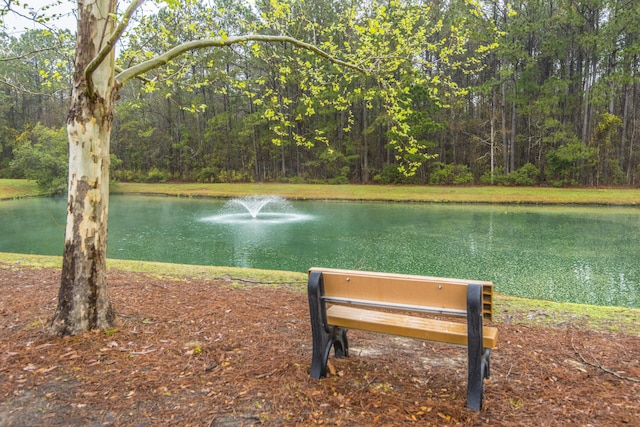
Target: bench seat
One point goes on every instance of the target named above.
(406, 325)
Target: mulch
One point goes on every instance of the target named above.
(198, 352)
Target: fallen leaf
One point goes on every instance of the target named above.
(70, 355)
(447, 418)
(45, 345)
(579, 366)
(331, 368)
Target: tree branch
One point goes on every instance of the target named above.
(599, 366)
(28, 54)
(22, 89)
(109, 45)
(163, 59)
(143, 79)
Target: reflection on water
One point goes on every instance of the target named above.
(586, 255)
(254, 222)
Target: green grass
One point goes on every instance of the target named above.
(400, 193)
(234, 275)
(18, 188)
(507, 309)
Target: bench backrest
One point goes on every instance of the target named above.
(402, 291)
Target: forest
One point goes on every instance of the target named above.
(531, 92)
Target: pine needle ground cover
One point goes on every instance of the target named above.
(226, 351)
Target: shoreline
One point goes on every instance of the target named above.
(508, 309)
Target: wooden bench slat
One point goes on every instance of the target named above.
(403, 289)
(395, 306)
(404, 325)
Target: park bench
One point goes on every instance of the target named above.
(396, 304)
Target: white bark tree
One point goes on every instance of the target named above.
(83, 300)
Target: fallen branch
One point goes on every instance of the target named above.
(599, 365)
(268, 374)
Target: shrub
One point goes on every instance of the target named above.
(450, 174)
(498, 177)
(156, 175)
(206, 175)
(391, 175)
(570, 163)
(127, 175)
(41, 154)
(527, 175)
(229, 176)
(339, 180)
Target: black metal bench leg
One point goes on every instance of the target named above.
(320, 335)
(320, 354)
(322, 347)
(323, 335)
(478, 365)
(340, 342)
(486, 363)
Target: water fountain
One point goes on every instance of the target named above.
(257, 209)
(254, 204)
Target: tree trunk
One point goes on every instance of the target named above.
(83, 301)
(365, 154)
(494, 101)
(505, 140)
(512, 141)
(625, 122)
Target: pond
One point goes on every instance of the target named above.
(576, 254)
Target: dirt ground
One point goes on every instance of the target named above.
(209, 353)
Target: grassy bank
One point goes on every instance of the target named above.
(508, 309)
(18, 188)
(405, 193)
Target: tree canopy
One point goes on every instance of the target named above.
(528, 92)
(274, 102)
(397, 91)
(553, 103)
